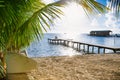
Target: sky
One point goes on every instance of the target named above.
(76, 21)
(104, 2)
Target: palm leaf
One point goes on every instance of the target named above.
(115, 6)
(28, 24)
(2, 3)
(91, 6)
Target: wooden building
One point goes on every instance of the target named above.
(100, 33)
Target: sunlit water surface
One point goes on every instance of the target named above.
(43, 48)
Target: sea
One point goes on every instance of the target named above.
(42, 48)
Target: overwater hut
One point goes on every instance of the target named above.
(100, 33)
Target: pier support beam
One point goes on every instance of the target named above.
(92, 49)
(88, 48)
(104, 50)
(98, 50)
(114, 51)
(83, 47)
(79, 46)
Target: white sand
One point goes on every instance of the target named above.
(85, 67)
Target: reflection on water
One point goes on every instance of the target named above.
(43, 48)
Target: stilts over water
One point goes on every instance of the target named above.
(84, 47)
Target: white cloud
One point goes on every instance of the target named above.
(75, 20)
(112, 22)
(48, 1)
(107, 21)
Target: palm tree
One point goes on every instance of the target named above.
(23, 21)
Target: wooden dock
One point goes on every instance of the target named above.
(83, 47)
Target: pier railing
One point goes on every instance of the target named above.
(81, 46)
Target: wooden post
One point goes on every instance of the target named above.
(79, 46)
(88, 49)
(92, 49)
(114, 51)
(68, 43)
(60, 41)
(84, 47)
(98, 50)
(57, 41)
(53, 41)
(104, 50)
(72, 44)
(64, 43)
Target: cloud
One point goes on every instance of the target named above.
(48, 1)
(75, 20)
(111, 21)
(107, 21)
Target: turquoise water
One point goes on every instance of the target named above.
(43, 48)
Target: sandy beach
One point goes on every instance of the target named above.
(84, 67)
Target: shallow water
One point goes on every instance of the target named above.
(43, 48)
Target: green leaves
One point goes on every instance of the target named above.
(2, 3)
(91, 6)
(23, 21)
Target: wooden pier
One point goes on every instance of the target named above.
(83, 47)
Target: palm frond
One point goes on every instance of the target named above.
(36, 24)
(115, 6)
(91, 6)
(21, 22)
(2, 3)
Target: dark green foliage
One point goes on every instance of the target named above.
(23, 21)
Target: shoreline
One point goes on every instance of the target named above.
(81, 54)
(78, 67)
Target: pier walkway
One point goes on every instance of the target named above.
(83, 47)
